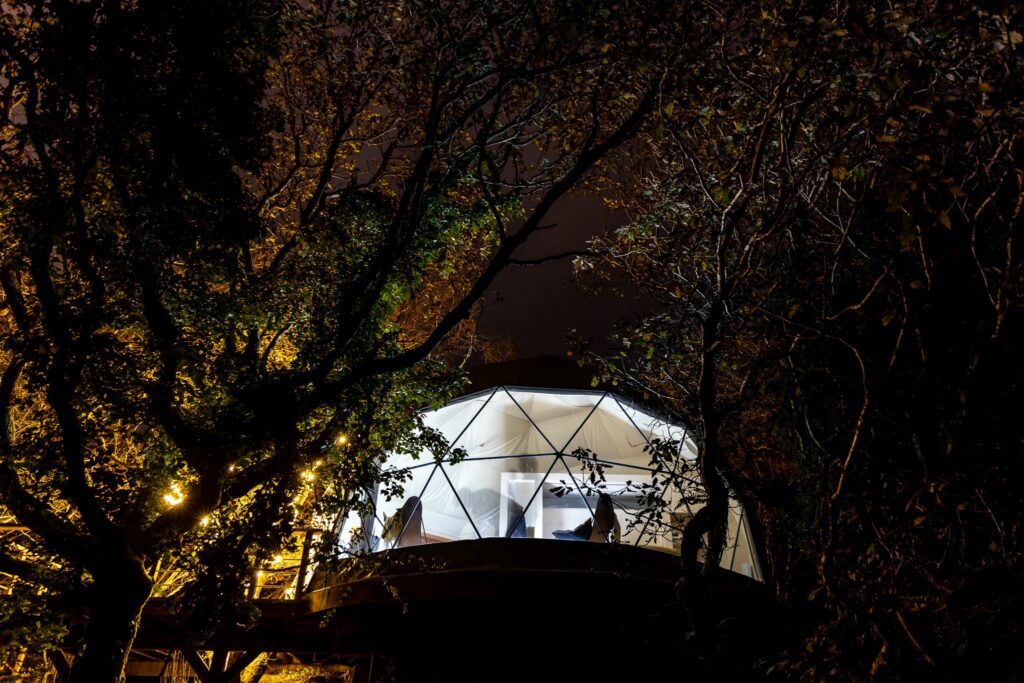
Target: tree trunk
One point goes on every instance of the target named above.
(712, 520)
(119, 593)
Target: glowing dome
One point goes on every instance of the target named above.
(536, 462)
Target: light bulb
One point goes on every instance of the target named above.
(174, 496)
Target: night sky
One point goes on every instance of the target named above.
(537, 305)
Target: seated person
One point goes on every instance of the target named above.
(406, 525)
(601, 529)
(517, 516)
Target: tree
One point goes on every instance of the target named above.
(830, 239)
(212, 214)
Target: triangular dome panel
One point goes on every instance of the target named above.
(445, 517)
(557, 415)
(394, 509)
(455, 418)
(500, 427)
(611, 436)
(497, 491)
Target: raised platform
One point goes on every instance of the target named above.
(484, 595)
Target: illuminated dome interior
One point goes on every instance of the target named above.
(535, 463)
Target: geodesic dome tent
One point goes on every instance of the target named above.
(536, 462)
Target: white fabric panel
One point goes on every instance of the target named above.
(453, 418)
(354, 538)
(502, 428)
(479, 484)
(388, 507)
(653, 427)
(556, 415)
(402, 461)
(739, 555)
(565, 512)
(443, 517)
(611, 436)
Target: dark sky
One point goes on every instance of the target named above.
(537, 305)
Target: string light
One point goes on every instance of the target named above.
(175, 496)
(341, 440)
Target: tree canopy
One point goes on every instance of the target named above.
(222, 231)
(830, 238)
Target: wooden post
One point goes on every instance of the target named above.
(307, 545)
(254, 585)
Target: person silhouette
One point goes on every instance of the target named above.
(516, 516)
(406, 525)
(601, 528)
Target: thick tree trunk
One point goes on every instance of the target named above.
(712, 520)
(119, 593)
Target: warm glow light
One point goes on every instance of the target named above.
(205, 521)
(175, 496)
(259, 574)
(341, 440)
(231, 468)
(277, 559)
(318, 463)
(308, 476)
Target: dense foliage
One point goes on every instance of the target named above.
(225, 231)
(831, 240)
